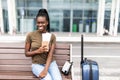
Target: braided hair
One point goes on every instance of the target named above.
(44, 13)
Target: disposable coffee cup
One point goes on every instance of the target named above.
(46, 40)
(46, 44)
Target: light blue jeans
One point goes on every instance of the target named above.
(53, 71)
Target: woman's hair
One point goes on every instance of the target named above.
(44, 13)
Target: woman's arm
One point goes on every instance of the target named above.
(50, 55)
(49, 58)
(27, 50)
(29, 53)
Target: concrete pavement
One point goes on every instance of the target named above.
(105, 73)
(66, 37)
(108, 72)
(105, 54)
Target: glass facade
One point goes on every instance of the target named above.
(85, 16)
(26, 13)
(119, 24)
(118, 21)
(59, 15)
(5, 15)
(108, 6)
(70, 17)
(79, 16)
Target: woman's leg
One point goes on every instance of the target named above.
(54, 71)
(37, 69)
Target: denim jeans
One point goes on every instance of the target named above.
(53, 71)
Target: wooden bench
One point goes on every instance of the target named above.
(14, 65)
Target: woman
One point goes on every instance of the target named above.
(43, 64)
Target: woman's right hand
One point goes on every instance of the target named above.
(29, 53)
(42, 49)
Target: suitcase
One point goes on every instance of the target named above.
(90, 69)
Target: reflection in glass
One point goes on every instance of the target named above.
(5, 16)
(30, 8)
(119, 22)
(59, 11)
(85, 18)
(107, 14)
(66, 21)
(64, 14)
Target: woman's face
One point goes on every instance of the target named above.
(42, 23)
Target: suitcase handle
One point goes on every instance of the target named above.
(82, 45)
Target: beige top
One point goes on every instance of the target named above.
(35, 38)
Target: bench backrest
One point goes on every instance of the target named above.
(12, 56)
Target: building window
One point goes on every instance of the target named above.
(119, 24)
(81, 14)
(26, 14)
(85, 16)
(107, 14)
(5, 16)
(66, 21)
(59, 15)
(75, 15)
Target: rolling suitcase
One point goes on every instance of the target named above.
(90, 69)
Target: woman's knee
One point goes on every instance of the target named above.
(47, 77)
(37, 69)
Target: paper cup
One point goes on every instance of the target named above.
(46, 43)
(46, 39)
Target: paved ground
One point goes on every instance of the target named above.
(106, 55)
(108, 71)
(66, 37)
(103, 49)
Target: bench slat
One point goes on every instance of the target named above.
(21, 51)
(12, 51)
(12, 45)
(18, 67)
(22, 56)
(8, 72)
(22, 45)
(61, 57)
(13, 56)
(15, 67)
(15, 62)
(26, 62)
(62, 52)
(63, 46)
(14, 77)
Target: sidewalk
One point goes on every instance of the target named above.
(90, 37)
(106, 71)
(66, 37)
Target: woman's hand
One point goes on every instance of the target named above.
(43, 74)
(42, 49)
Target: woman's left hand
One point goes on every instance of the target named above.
(43, 74)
